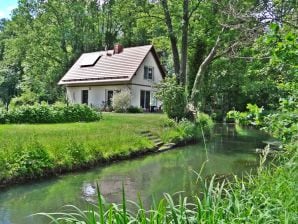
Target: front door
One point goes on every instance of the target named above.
(145, 99)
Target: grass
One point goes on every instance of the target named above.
(29, 151)
(269, 197)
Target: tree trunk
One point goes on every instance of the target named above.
(172, 37)
(184, 44)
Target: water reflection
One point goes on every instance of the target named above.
(150, 176)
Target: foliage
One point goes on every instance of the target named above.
(132, 109)
(205, 122)
(27, 98)
(191, 131)
(254, 116)
(283, 124)
(173, 97)
(121, 101)
(44, 113)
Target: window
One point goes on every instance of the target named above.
(145, 99)
(148, 73)
(85, 96)
(110, 97)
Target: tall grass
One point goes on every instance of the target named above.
(269, 197)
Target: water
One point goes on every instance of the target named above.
(151, 176)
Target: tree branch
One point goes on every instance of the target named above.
(204, 65)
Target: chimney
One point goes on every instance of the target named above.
(118, 48)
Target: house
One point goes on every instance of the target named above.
(96, 76)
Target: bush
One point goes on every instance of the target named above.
(44, 113)
(3, 116)
(32, 162)
(133, 109)
(283, 124)
(121, 101)
(173, 97)
(187, 129)
(205, 122)
(76, 151)
(254, 116)
(195, 130)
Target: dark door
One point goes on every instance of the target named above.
(145, 99)
(85, 96)
(110, 97)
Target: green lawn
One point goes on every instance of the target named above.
(27, 150)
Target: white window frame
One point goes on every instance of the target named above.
(151, 69)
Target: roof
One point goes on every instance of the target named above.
(104, 66)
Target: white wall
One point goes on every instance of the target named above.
(97, 94)
(139, 77)
(139, 83)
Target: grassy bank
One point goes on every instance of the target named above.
(33, 151)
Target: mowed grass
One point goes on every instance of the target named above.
(75, 144)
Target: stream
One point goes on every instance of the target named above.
(150, 176)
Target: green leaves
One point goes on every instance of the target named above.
(44, 113)
(173, 97)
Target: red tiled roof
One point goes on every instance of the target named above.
(104, 66)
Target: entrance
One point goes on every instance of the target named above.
(145, 99)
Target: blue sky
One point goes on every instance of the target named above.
(6, 6)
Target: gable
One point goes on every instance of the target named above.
(149, 61)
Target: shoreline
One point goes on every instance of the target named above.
(55, 172)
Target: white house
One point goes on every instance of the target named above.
(96, 76)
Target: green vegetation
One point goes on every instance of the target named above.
(32, 151)
(44, 113)
(268, 197)
(173, 97)
(241, 55)
(121, 101)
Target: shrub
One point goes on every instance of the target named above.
(121, 101)
(173, 97)
(133, 109)
(283, 124)
(205, 122)
(76, 151)
(187, 129)
(44, 113)
(32, 162)
(3, 116)
(167, 122)
(254, 116)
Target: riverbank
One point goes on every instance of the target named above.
(31, 152)
(269, 196)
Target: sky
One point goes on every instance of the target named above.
(6, 6)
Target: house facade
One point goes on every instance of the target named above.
(97, 76)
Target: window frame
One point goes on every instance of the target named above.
(148, 71)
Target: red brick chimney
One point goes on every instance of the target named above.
(118, 48)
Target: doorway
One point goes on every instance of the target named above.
(145, 99)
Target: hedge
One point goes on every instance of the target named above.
(45, 113)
